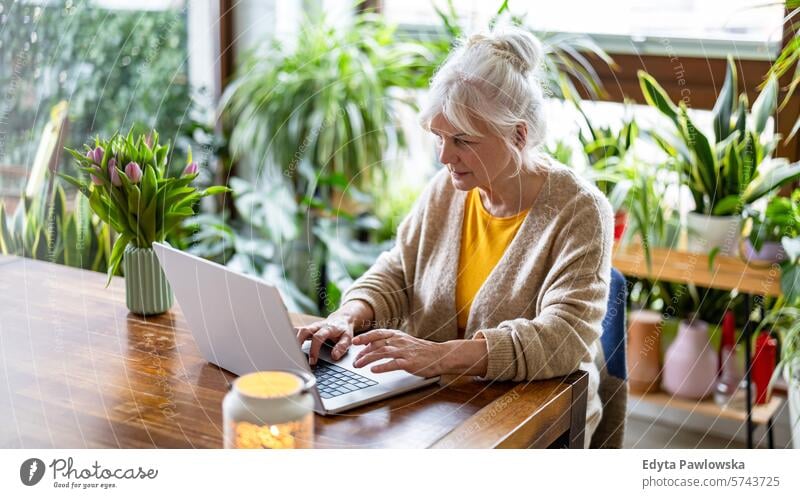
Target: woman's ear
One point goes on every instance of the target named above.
(521, 135)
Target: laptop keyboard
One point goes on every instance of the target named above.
(333, 380)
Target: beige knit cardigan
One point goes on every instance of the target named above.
(540, 309)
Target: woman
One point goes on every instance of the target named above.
(502, 268)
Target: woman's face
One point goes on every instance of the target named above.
(473, 161)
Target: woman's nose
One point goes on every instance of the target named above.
(446, 154)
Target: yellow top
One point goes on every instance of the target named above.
(484, 239)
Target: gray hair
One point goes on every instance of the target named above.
(491, 77)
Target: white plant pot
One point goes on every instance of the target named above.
(707, 232)
(794, 407)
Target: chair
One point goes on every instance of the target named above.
(614, 376)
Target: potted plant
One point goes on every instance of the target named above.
(781, 218)
(784, 320)
(611, 166)
(729, 170)
(133, 187)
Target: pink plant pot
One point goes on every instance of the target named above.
(690, 364)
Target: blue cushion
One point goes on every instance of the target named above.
(613, 338)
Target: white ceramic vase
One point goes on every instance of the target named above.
(707, 232)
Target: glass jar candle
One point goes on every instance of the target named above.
(272, 409)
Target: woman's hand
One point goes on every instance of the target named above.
(335, 328)
(414, 355)
(340, 326)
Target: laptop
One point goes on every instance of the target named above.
(241, 324)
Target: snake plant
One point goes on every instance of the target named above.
(70, 237)
(733, 167)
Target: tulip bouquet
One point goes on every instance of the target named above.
(130, 189)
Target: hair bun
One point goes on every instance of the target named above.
(519, 47)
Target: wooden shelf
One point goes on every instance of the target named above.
(761, 413)
(728, 273)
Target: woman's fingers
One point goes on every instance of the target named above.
(341, 346)
(378, 354)
(318, 339)
(304, 333)
(389, 366)
(380, 341)
(374, 335)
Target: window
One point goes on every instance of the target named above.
(113, 62)
(704, 28)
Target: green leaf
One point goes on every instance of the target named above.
(741, 114)
(148, 185)
(116, 255)
(7, 245)
(725, 104)
(790, 282)
(656, 97)
(771, 174)
(41, 245)
(765, 104)
(80, 157)
(72, 255)
(100, 206)
(217, 189)
(134, 199)
(176, 194)
(147, 221)
(728, 205)
(59, 205)
(82, 186)
(711, 256)
(705, 164)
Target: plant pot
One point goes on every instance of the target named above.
(690, 364)
(770, 253)
(620, 222)
(644, 351)
(147, 291)
(707, 232)
(793, 384)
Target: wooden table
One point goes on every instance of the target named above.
(77, 370)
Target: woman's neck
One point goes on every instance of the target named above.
(513, 194)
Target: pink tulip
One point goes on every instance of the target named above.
(190, 169)
(95, 178)
(149, 140)
(98, 155)
(134, 172)
(113, 173)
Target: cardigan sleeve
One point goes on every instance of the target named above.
(383, 288)
(573, 304)
(388, 282)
